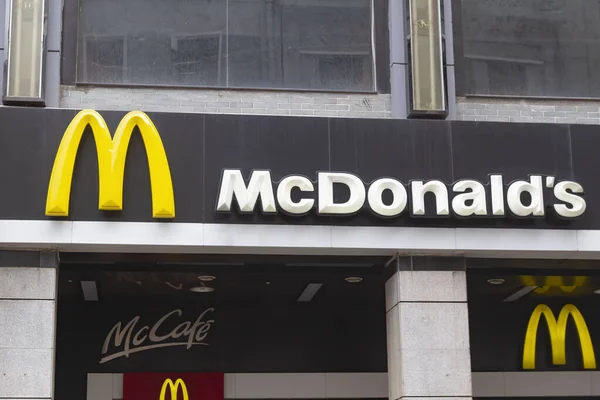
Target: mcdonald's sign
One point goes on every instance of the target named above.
(174, 388)
(111, 153)
(558, 329)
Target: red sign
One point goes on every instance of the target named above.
(173, 386)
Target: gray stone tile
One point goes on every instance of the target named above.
(27, 324)
(588, 121)
(589, 108)
(498, 119)
(432, 286)
(26, 373)
(489, 112)
(566, 108)
(474, 106)
(436, 373)
(433, 326)
(488, 384)
(393, 352)
(563, 383)
(511, 113)
(27, 283)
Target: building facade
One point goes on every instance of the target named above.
(299, 199)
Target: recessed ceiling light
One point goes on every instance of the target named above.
(90, 291)
(267, 283)
(597, 291)
(202, 289)
(206, 278)
(496, 281)
(309, 292)
(354, 279)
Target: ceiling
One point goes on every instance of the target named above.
(502, 285)
(239, 279)
(233, 282)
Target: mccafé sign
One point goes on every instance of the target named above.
(386, 197)
(168, 331)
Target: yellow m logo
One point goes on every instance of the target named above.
(111, 164)
(558, 330)
(174, 389)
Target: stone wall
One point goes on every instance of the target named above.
(228, 101)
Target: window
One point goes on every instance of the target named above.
(547, 48)
(300, 44)
(104, 58)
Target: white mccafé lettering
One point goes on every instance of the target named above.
(464, 198)
(123, 341)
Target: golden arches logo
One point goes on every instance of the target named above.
(111, 153)
(565, 284)
(558, 330)
(174, 389)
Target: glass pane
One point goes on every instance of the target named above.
(152, 42)
(532, 47)
(308, 44)
(25, 58)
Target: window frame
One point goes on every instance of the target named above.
(379, 56)
(463, 88)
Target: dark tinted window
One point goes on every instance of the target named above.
(529, 47)
(307, 44)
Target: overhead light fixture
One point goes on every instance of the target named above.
(176, 287)
(520, 293)
(597, 291)
(354, 279)
(340, 265)
(207, 278)
(496, 281)
(90, 291)
(309, 292)
(202, 289)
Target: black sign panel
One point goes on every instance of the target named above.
(200, 147)
(229, 339)
(499, 333)
(197, 338)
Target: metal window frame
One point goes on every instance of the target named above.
(38, 100)
(70, 75)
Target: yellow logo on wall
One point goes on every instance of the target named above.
(174, 389)
(545, 284)
(558, 330)
(112, 153)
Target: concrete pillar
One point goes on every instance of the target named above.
(428, 329)
(27, 324)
